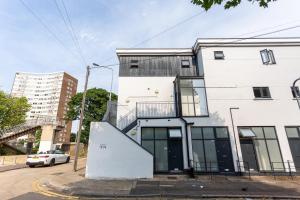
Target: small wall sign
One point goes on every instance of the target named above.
(102, 146)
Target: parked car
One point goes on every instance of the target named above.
(50, 158)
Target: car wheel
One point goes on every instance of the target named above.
(52, 162)
(31, 166)
(68, 160)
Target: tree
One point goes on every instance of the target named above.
(95, 108)
(207, 4)
(37, 141)
(12, 110)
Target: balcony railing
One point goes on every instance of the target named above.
(155, 109)
(147, 110)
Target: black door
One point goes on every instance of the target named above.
(224, 155)
(295, 149)
(175, 155)
(248, 153)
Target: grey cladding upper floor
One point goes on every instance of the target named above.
(151, 66)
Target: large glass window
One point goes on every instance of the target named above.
(155, 140)
(193, 97)
(266, 147)
(204, 147)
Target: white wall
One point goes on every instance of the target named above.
(229, 83)
(111, 154)
(141, 89)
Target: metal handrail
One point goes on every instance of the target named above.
(246, 167)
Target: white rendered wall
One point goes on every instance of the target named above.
(141, 89)
(111, 154)
(229, 83)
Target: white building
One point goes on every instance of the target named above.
(224, 105)
(48, 94)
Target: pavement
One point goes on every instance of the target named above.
(60, 182)
(4, 168)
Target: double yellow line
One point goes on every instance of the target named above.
(39, 189)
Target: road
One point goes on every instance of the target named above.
(20, 184)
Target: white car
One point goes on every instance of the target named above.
(50, 158)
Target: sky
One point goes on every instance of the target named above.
(101, 26)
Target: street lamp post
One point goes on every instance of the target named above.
(295, 92)
(88, 69)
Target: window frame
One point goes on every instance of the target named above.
(158, 139)
(267, 57)
(185, 65)
(297, 94)
(134, 64)
(181, 103)
(214, 138)
(261, 91)
(265, 139)
(222, 57)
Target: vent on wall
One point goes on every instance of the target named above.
(134, 64)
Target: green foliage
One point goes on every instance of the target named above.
(73, 137)
(37, 140)
(207, 4)
(95, 108)
(12, 110)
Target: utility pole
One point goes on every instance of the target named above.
(81, 117)
(295, 92)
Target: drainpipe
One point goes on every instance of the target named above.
(187, 140)
(234, 135)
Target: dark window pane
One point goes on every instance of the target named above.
(149, 145)
(257, 92)
(292, 132)
(196, 133)
(185, 63)
(147, 133)
(221, 132)
(198, 155)
(211, 155)
(208, 133)
(161, 133)
(219, 55)
(270, 132)
(266, 92)
(295, 91)
(161, 155)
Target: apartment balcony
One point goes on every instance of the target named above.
(144, 110)
(155, 109)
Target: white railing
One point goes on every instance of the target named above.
(155, 109)
(147, 110)
(127, 119)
